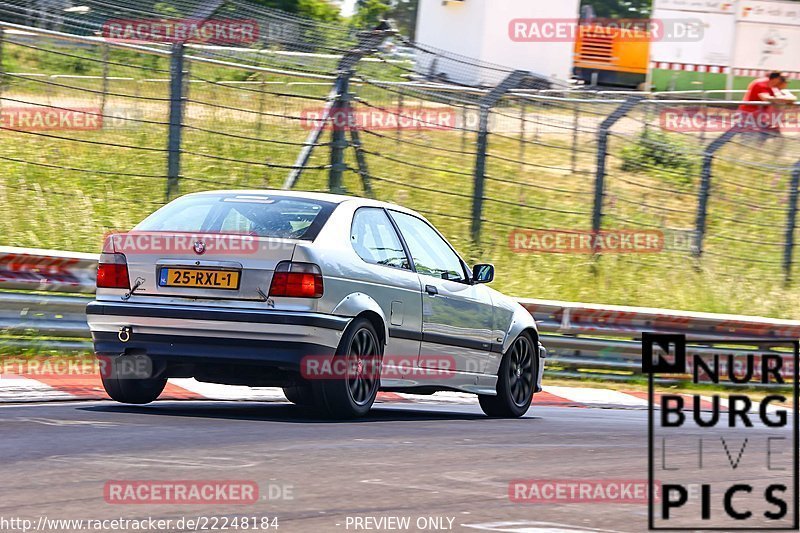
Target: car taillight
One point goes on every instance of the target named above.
(296, 280)
(112, 272)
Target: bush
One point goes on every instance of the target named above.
(657, 154)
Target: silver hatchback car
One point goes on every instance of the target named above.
(330, 297)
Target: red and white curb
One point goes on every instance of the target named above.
(20, 389)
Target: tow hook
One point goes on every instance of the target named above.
(124, 334)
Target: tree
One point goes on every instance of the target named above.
(620, 8)
(371, 12)
(404, 15)
(314, 9)
(319, 10)
(402, 12)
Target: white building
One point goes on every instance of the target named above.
(738, 41)
(509, 33)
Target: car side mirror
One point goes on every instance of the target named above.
(483, 273)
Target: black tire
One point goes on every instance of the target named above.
(360, 353)
(301, 394)
(127, 389)
(515, 381)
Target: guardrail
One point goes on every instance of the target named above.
(47, 270)
(583, 340)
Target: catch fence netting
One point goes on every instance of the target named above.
(423, 122)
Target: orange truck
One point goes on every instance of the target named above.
(612, 53)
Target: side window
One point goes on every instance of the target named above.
(432, 255)
(375, 240)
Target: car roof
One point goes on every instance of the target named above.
(319, 196)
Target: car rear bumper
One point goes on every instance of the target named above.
(192, 334)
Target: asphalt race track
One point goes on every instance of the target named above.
(417, 461)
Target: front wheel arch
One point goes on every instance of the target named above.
(504, 404)
(532, 333)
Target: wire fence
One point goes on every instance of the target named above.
(99, 129)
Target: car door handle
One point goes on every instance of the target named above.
(430, 289)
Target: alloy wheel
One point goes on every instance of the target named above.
(520, 371)
(363, 366)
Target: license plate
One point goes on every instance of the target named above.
(199, 278)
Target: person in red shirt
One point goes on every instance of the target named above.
(763, 90)
(760, 117)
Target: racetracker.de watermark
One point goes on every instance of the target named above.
(535, 30)
(564, 241)
(418, 119)
(76, 368)
(146, 523)
(325, 367)
(578, 491)
(207, 243)
(699, 119)
(46, 366)
(217, 31)
(187, 492)
(47, 118)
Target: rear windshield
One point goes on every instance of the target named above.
(261, 216)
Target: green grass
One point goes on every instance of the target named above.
(47, 202)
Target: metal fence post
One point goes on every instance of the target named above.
(339, 133)
(176, 107)
(574, 155)
(400, 111)
(363, 169)
(480, 172)
(177, 100)
(368, 43)
(104, 96)
(513, 81)
(705, 188)
(2, 70)
(791, 223)
(261, 98)
(602, 155)
(464, 125)
(523, 111)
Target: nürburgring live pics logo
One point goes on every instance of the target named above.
(725, 458)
